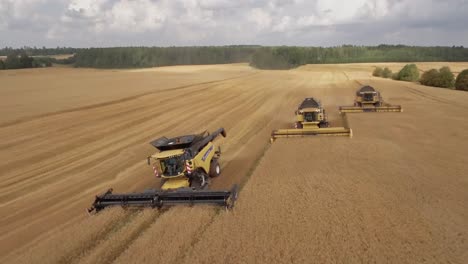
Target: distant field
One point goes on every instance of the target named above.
(61, 56)
(394, 193)
(33, 92)
(456, 67)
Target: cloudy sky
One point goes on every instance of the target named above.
(93, 23)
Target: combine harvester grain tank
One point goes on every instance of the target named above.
(185, 166)
(311, 120)
(369, 100)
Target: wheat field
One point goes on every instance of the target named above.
(396, 192)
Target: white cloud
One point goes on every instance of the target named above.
(335, 11)
(205, 22)
(19, 14)
(139, 15)
(18, 8)
(332, 12)
(283, 25)
(4, 7)
(260, 18)
(87, 8)
(122, 15)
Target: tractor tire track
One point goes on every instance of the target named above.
(434, 98)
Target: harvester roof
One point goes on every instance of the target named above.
(366, 89)
(192, 143)
(309, 103)
(168, 154)
(180, 142)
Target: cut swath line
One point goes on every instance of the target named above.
(183, 252)
(29, 118)
(434, 98)
(145, 226)
(95, 240)
(112, 247)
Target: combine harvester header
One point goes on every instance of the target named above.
(160, 198)
(369, 100)
(185, 166)
(311, 120)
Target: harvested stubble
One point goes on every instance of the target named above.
(396, 192)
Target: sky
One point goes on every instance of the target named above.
(104, 23)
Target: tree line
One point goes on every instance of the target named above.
(260, 57)
(443, 77)
(33, 57)
(138, 57)
(291, 57)
(35, 51)
(22, 61)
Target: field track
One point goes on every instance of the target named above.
(396, 192)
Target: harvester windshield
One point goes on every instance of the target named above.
(311, 117)
(172, 166)
(368, 97)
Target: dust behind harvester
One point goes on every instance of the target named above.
(311, 120)
(369, 100)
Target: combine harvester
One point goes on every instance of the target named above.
(369, 100)
(311, 120)
(185, 165)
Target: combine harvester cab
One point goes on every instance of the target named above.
(311, 120)
(369, 100)
(185, 165)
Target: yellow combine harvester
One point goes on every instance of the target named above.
(186, 161)
(369, 100)
(311, 120)
(185, 165)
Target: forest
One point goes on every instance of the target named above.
(281, 57)
(138, 57)
(291, 57)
